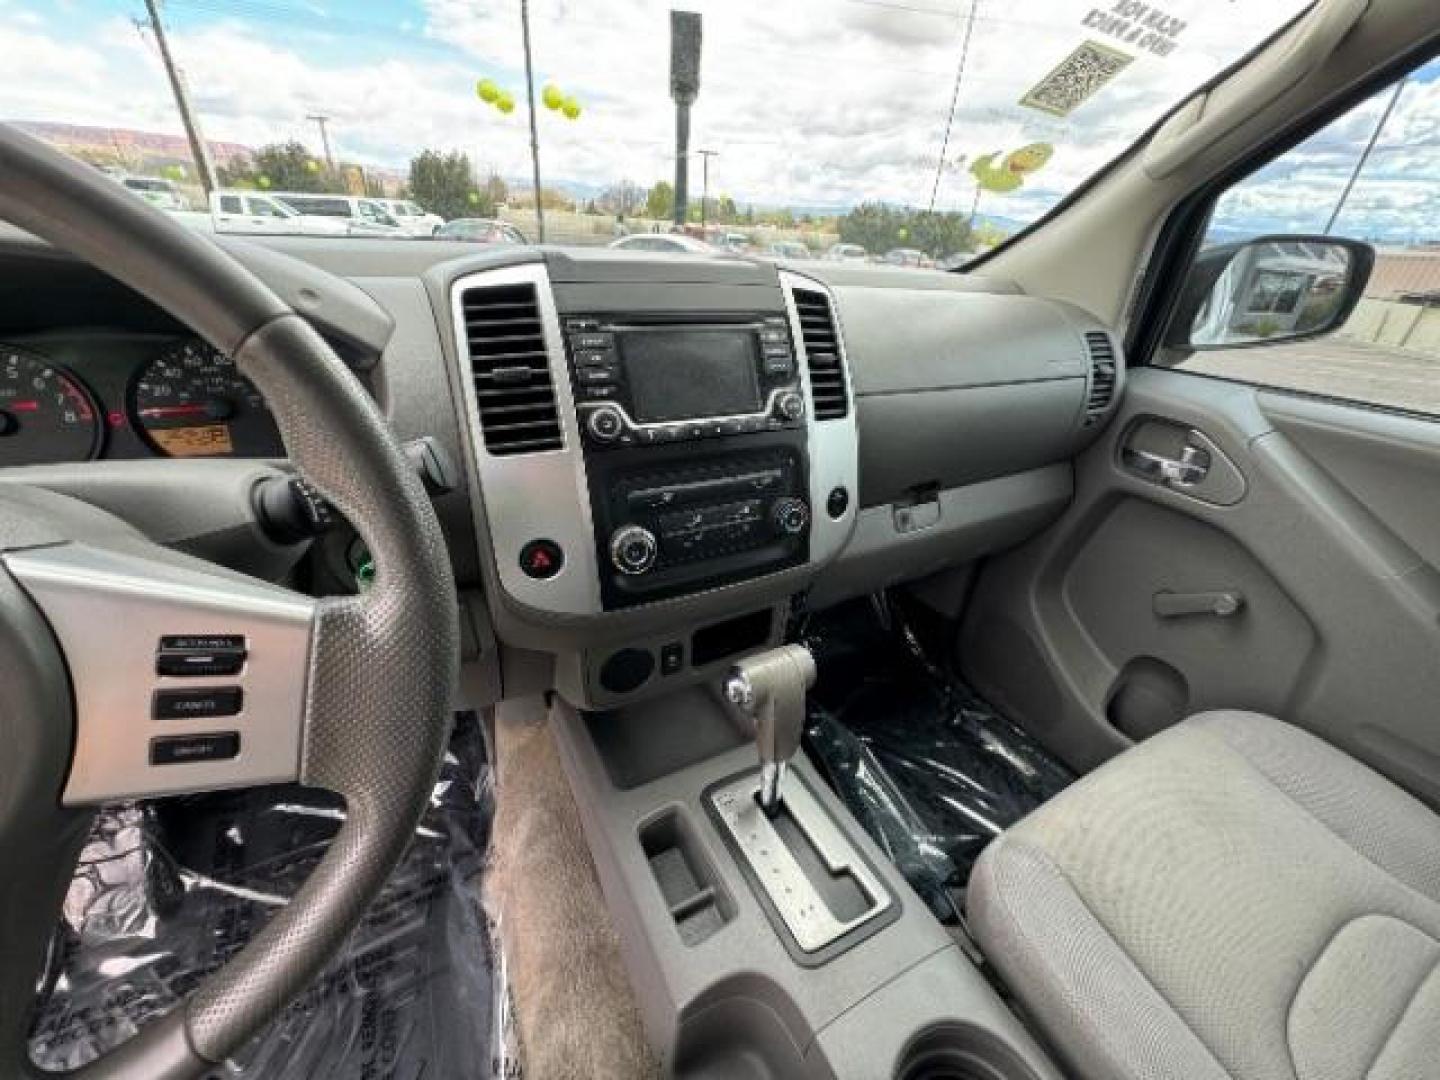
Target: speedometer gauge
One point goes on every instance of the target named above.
(46, 415)
(190, 401)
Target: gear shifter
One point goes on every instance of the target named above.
(770, 689)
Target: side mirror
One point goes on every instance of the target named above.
(1269, 290)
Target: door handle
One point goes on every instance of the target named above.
(1222, 604)
(1189, 469)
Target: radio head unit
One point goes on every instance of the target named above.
(640, 382)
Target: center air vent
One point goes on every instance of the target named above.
(822, 352)
(513, 388)
(1102, 374)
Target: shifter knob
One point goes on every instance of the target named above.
(770, 689)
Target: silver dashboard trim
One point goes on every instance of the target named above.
(528, 496)
(834, 444)
(109, 609)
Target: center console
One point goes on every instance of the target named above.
(695, 448)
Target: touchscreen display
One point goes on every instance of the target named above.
(677, 374)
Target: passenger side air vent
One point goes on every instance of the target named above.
(513, 388)
(822, 349)
(1102, 375)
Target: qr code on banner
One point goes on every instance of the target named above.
(1076, 78)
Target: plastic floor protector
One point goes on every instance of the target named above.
(166, 891)
(929, 769)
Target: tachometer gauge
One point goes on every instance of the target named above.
(190, 401)
(46, 415)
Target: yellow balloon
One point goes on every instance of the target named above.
(571, 108)
(312, 166)
(505, 103)
(473, 198)
(487, 91)
(262, 181)
(552, 97)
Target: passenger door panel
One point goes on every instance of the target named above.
(1333, 546)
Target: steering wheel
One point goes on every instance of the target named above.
(351, 694)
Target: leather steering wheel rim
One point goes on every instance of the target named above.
(382, 666)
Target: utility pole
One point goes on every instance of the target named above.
(1365, 155)
(705, 156)
(320, 120)
(534, 131)
(684, 89)
(198, 148)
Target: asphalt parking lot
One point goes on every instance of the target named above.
(1382, 376)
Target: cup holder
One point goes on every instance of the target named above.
(960, 1052)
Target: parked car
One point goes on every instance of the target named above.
(157, 191)
(365, 216)
(908, 257)
(481, 231)
(789, 249)
(413, 218)
(234, 211)
(675, 243)
(846, 253)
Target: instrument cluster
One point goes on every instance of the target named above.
(71, 397)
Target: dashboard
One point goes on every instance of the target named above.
(643, 463)
(73, 396)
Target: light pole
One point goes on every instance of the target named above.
(705, 156)
(199, 149)
(534, 131)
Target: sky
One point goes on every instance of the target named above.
(807, 103)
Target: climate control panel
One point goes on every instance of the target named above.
(669, 529)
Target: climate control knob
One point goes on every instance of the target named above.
(633, 549)
(605, 424)
(790, 516)
(791, 405)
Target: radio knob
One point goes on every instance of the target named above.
(791, 406)
(790, 516)
(605, 423)
(633, 549)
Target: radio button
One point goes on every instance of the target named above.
(605, 424)
(581, 324)
(603, 392)
(773, 335)
(592, 341)
(594, 359)
(791, 406)
(597, 375)
(779, 365)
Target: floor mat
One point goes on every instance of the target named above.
(929, 769)
(168, 890)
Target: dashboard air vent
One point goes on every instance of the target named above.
(1102, 374)
(513, 388)
(822, 349)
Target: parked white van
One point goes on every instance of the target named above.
(365, 216)
(236, 211)
(156, 190)
(413, 218)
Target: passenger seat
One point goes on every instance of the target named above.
(1233, 898)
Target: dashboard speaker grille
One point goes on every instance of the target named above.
(1102, 374)
(513, 387)
(822, 352)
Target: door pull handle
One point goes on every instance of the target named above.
(1222, 604)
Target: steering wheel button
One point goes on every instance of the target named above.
(199, 663)
(193, 642)
(179, 749)
(208, 702)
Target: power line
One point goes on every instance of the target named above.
(198, 149)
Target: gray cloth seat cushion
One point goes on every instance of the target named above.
(1233, 898)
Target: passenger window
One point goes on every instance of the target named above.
(230, 204)
(1277, 313)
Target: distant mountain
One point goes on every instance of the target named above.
(146, 146)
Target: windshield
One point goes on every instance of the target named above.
(934, 128)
